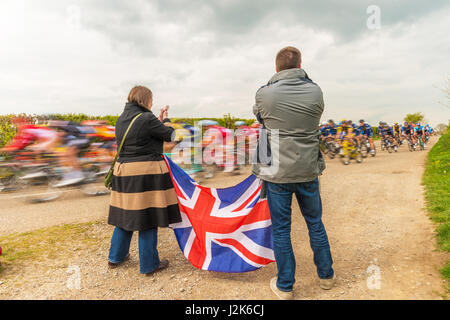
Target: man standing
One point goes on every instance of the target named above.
(290, 107)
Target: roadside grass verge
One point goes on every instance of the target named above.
(43, 244)
(436, 180)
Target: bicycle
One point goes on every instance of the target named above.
(350, 152)
(389, 145)
(365, 148)
(411, 145)
(421, 143)
(398, 139)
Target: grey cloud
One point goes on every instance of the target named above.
(229, 21)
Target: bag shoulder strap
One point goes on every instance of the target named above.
(124, 137)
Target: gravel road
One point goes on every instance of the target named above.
(373, 213)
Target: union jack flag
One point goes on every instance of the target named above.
(225, 230)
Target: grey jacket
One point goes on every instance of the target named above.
(290, 107)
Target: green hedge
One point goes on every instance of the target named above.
(8, 130)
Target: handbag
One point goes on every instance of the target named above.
(108, 178)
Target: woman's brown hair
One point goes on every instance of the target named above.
(141, 95)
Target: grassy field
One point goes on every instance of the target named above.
(43, 244)
(437, 193)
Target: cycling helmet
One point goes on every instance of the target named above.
(208, 123)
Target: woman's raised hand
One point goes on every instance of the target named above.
(163, 114)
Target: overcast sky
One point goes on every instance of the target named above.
(208, 58)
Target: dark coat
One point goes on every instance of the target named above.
(146, 137)
(142, 193)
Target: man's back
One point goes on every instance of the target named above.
(292, 104)
(290, 107)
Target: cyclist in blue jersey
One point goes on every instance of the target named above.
(386, 132)
(427, 131)
(332, 128)
(366, 130)
(391, 135)
(419, 132)
(406, 130)
(324, 131)
(418, 129)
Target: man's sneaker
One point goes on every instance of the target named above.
(327, 284)
(283, 295)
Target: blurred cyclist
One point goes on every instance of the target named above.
(73, 143)
(367, 131)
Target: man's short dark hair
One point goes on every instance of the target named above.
(288, 58)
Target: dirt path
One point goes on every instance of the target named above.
(374, 217)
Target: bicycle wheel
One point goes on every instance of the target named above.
(94, 184)
(364, 150)
(346, 160)
(323, 147)
(389, 148)
(10, 183)
(346, 157)
(41, 193)
(332, 150)
(96, 188)
(358, 156)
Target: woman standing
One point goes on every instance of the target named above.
(142, 195)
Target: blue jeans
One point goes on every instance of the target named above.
(279, 197)
(148, 254)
